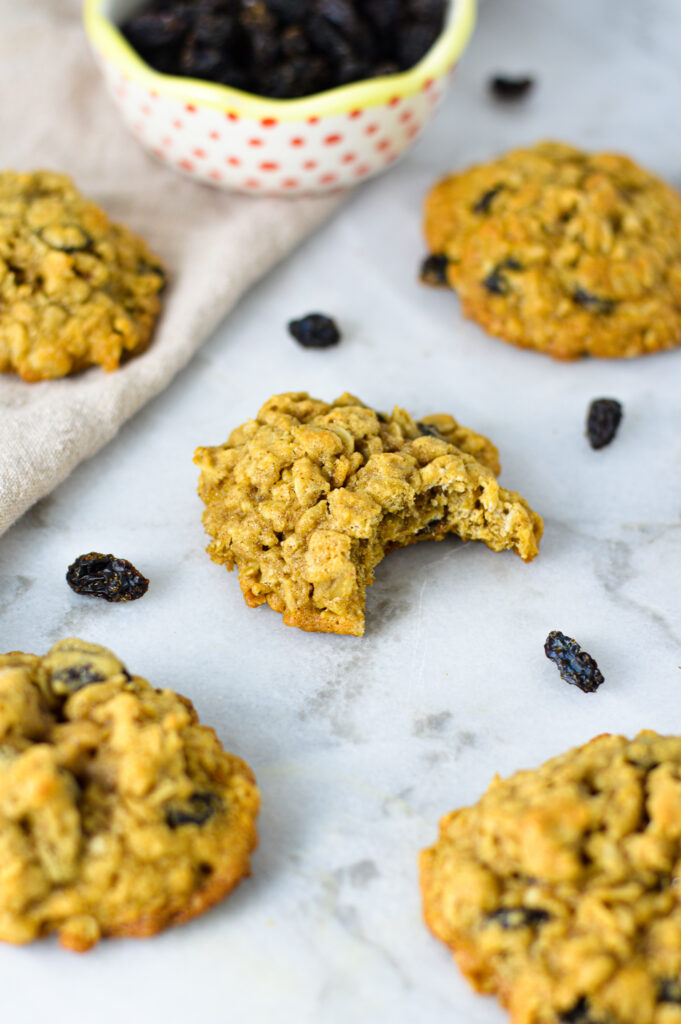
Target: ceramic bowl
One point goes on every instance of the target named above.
(253, 144)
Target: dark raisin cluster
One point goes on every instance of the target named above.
(284, 48)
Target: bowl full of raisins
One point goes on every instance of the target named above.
(278, 97)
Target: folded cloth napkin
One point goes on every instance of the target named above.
(55, 114)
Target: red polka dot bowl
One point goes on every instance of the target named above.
(235, 140)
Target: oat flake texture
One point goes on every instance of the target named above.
(306, 500)
(119, 813)
(558, 890)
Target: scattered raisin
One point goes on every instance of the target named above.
(593, 303)
(105, 576)
(284, 48)
(575, 666)
(496, 282)
(506, 87)
(602, 421)
(669, 991)
(199, 808)
(518, 917)
(485, 201)
(381, 417)
(434, 271)
(315, 331)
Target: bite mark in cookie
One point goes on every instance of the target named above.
(306, 499)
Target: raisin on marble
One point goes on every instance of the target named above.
(434, 271)
(316, 330)
(602, 421)
(506, 87)
(105, 576)
(201, 806)
(518, 917)
(574, 664)
(593, 303)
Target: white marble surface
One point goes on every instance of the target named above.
(360, 745)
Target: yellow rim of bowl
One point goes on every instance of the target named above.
(112, 46)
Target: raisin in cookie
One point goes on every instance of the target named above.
(306, 500)
(558, 891)
(119, 813)
(566, 252)
(75, 289)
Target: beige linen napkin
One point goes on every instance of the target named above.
(55, 114)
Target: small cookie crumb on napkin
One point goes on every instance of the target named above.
(214, 244)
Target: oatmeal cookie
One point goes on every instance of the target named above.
(566, 252)
(306, 500)
(119, 813)
(558, 890)
(75, 289)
